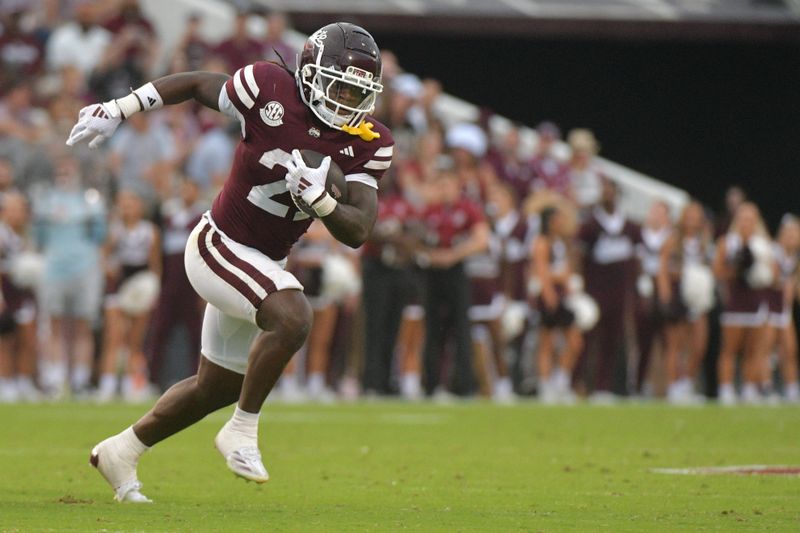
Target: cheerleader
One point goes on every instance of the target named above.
(17, 305)
(655, 233)
(308, 265)
(742, 273)
(551, 271)
(133, 247)
(780, 332)
(685, 295)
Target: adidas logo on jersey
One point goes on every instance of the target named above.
(347, 151)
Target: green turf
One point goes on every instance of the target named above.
(387, 466)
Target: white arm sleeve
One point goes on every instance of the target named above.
(364, 178)
(226, 107)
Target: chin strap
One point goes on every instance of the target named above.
(363, 130)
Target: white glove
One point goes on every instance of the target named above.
(97, 122)
(306, 182)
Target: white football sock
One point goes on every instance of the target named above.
(131, 448)
(245, 424)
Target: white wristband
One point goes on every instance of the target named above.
(144, 98)
(325, 205)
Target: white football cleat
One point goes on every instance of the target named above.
(242, 457)
(109, 459)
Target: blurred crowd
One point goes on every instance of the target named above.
(497, 267)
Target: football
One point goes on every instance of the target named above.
(336, 185)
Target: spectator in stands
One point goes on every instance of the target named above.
(80, 42)
(239, 49)
(404, 115)
(210, 159)
(69, 226)
(178, 310)
(735, 196)
(131, 55)
(586, 180)
(18, 313)
(608, 239)
(133, 247)
(456, 230)
(467, 146)
(507, 162)
(20, 120)
(549, 172)
(192, 50)
(142, 157)
(21, 53)
(275, 47)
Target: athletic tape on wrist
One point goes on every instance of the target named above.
(144, 98)
(325, 205)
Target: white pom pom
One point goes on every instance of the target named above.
(138, 293)
(534, 287)
(585, 310)
(513, 320)
(339, 278)
(644, 285)
(761, 248)
(760, 275)
(26, 270)
(575, 283)
(697, 288)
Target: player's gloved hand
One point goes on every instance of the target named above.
(96, 122)
(309, 183)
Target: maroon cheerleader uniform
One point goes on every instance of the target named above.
(130, 253)
(648, 319)
(780, 315)
(743, 306)
(558, 316)
(19, 305)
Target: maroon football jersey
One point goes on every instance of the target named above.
(254, 207)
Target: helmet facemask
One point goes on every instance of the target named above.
(338, 98)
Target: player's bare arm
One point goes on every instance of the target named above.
(351, 223)
(203, 87)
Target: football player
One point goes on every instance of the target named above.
(257, 315)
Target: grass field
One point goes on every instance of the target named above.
(386, 466)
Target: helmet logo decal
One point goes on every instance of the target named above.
(272, 113)
(319, 36)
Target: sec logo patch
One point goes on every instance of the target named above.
(272, 113)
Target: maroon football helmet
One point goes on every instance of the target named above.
(339, 74)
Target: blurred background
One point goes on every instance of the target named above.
(568, 177)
